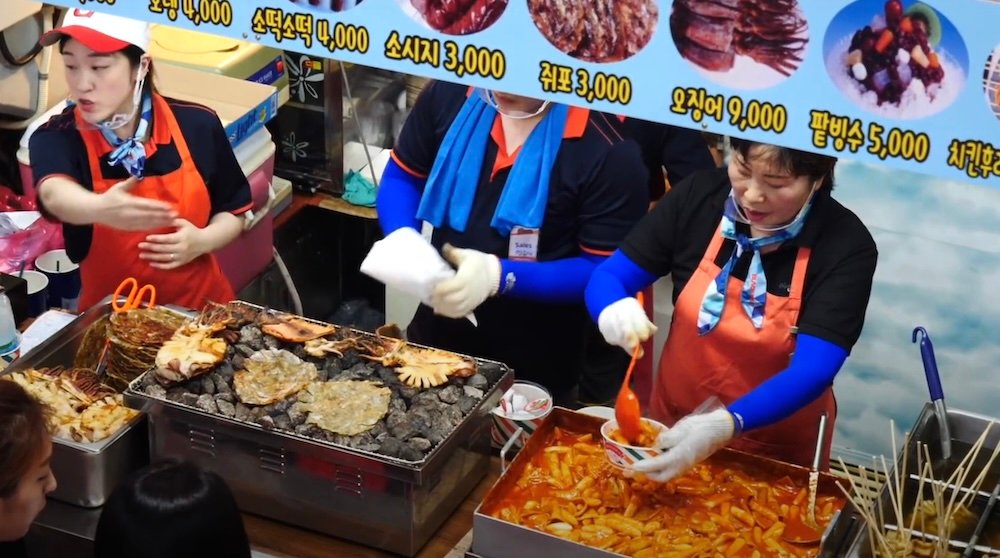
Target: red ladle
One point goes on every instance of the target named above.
(627, 411)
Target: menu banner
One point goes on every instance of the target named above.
(910, 84)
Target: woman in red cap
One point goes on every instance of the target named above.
(146, 187)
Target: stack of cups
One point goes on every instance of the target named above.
(525, 405)
(64, 279)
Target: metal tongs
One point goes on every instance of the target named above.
(934, 386)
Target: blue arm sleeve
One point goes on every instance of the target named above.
(398, 198)
(616, 278)
(560, 281)
(811, 371)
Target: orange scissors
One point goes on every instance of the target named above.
(134, 297)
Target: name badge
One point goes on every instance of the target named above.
(523, 244)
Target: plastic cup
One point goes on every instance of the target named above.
(505, 424)
(38, 292)
(624, 455)
(64, 279)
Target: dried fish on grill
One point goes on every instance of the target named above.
(92, 345)
(272, 375)
(294, 329)
(190, 352)
(81, 408)
(134, 337)
(711, 33)
(422, 367)
(231, 315)
(345, 407)
(596, 30)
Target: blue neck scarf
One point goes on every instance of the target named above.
(131, 153)
(451, 186)
(754, 292)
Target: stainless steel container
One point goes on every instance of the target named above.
(496, 538)
(361, 496)
(86, 473)
(851, 532)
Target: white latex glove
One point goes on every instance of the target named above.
(690, 441)
(624, 323)
(477, 279)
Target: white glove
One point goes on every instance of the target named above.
(477, 279)
(691, 440)
(624, 323)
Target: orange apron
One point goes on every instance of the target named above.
(734, 358)
(114, 254)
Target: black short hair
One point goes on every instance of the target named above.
(170, 509)
(799, 163)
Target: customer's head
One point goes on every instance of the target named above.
(171, 509)
(25, 451)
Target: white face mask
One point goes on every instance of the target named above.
(121, 119)
(491, 99)
(742, 217)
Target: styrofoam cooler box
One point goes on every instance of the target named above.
(225, 56)
(243, 107)
(249, 255)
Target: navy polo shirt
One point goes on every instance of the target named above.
(597, 192)
(674, 236)
(57, 148)
(676, 152)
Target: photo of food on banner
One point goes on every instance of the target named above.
(331, 5)
(991, 81)
(743, 45)
(596, 30)
(452, 17)
(899, 59)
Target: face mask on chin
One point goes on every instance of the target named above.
(491, 99)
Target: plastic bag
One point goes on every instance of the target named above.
(19, 249)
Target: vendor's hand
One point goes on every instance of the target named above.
(172, 250)
(624, 323)
(120, 209)
(690, 441)
(477, 279)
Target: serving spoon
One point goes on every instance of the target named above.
(627, 411)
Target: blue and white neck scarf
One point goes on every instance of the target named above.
(754, 293)
(131, 153)
(451, 186)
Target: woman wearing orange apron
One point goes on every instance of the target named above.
(146, 187)
(771, 278)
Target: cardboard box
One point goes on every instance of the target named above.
(243, 106)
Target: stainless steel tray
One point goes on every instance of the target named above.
(362, 496)
(852, 532)
(496, 538)
(86, 473)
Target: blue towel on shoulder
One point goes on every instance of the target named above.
(451, 186)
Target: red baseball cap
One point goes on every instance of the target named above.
(101, 33)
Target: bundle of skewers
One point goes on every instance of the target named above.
(922, 512)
